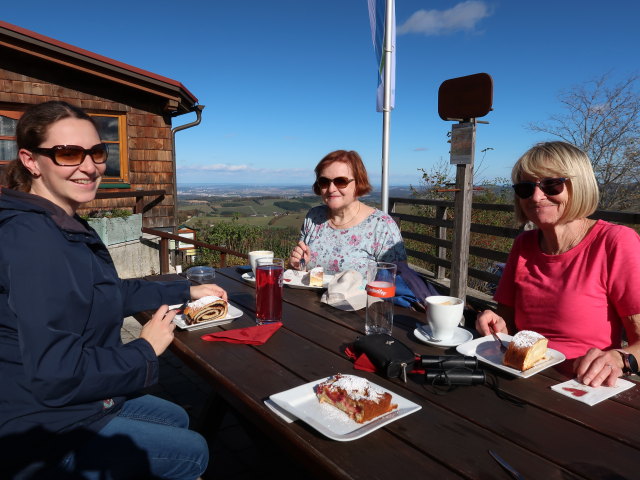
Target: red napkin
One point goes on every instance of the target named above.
(250, 335)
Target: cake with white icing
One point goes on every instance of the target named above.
(525, 350)
(316, 277)
(355, 396)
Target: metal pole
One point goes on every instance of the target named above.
(386, 106)
(198, 109)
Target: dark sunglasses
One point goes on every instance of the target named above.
(339, 182)
(549, 186)
(73, 155)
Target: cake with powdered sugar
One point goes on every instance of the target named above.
(205, 309)
(355, 396)
(525, 350)
(316, 277)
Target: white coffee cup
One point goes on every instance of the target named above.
(255, 255)
(443, 316)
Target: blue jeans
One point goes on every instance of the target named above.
(148, 439)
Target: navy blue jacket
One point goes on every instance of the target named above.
(62, 363)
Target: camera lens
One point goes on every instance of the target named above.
(455, 376)
(447, 362)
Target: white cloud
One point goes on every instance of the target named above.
(464, 16)
(215, 167)
(226, 168)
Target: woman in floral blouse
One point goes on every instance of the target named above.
(344, 233)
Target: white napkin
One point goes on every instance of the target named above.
(589, 395)
(282, 413)
(345, 291)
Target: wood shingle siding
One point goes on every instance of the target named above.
(36, 69)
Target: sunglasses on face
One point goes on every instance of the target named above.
(549, 186)
(73, 155)
(339, 182)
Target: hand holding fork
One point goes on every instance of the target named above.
(503, 347)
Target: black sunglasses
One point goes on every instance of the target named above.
(73, 155)
(549, 186)
(339, 182)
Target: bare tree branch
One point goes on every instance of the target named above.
(604, 121)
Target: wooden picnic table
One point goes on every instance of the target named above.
(549, 437)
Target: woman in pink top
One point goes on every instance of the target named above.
(572, 279)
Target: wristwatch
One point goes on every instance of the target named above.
(630, 362)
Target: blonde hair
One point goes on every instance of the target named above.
(560, 159)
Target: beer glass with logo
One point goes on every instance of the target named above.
(381, 288)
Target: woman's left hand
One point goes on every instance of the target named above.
(598, 367)
(207, 289)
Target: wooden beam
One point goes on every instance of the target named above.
(462, 155)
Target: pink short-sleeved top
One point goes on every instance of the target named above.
(575, 299)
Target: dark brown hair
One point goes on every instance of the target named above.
(31, 132)
(354, 161)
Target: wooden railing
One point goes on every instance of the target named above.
(165, 237)
(443, 245)
(439, 220)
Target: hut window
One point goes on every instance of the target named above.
(8, 148)
(110, 128)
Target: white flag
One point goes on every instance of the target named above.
(377, 16)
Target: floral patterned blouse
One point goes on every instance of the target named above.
(377, 238)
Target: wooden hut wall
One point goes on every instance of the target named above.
(148, 137)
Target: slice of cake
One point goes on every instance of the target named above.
(205, 309)
(525, 350)
(316, 277)
(355, 396)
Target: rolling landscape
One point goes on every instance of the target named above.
(257, 205)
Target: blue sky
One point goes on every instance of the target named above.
(285, 82)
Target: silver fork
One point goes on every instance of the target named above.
(302, 266)
(503, 347)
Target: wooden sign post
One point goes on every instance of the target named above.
(463, 99)
(463, 136)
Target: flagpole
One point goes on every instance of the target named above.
(386, 108)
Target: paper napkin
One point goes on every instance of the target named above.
(589, 395)
(250, 335)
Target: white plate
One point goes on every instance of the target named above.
(331, 422)
(232, 312)
(249, 277)
(487, 350)
(298, 279)
(423, 333)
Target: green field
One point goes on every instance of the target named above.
(251, 211)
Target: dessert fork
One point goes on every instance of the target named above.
(302, 266)
(503, 347)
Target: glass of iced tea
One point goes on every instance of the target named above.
(269, 273)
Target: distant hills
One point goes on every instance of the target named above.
(192, 190)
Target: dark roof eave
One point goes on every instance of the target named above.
(178, 96)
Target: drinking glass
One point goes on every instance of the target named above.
(381, 288)
(269, 273)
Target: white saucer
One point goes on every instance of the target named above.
(249, 277)
(460, 336)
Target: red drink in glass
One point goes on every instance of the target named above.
(269, 273)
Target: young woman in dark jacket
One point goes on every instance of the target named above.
(67, 403)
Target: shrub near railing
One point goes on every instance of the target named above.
(244, 238)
